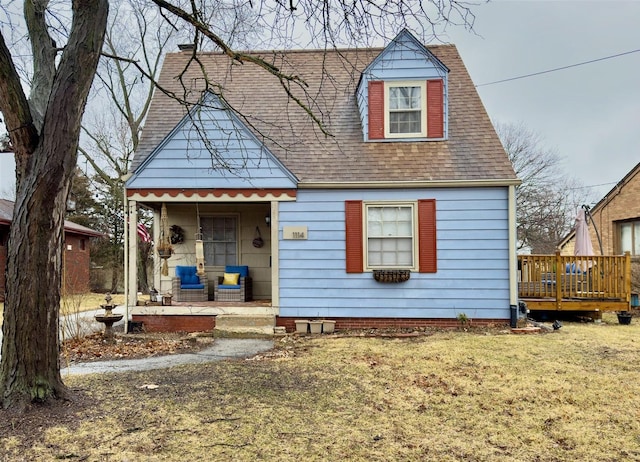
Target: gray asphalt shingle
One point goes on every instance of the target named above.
(472, 151)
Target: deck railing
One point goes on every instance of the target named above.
(575, 277)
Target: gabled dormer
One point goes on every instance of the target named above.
(402, 94)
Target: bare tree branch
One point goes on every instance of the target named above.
(29, 366)
(44, 55)
(15, 108)
(547, 198)
(284, 78)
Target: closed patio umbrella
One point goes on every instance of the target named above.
(583, 246)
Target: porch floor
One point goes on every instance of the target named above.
(204, 308)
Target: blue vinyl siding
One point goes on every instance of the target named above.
(404, 59)
(473, 259)
(182, 160)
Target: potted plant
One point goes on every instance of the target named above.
(165, 251)
(624, 317)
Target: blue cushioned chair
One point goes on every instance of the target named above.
(241, 292)
(188, 286)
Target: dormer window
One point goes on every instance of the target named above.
(409, 110)
(406, 109)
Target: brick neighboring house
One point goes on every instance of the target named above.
(617, 218)
(77, 255)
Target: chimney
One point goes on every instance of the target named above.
(186, 47)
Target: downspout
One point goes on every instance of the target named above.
(513, 257)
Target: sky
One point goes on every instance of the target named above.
(588, 114)
(7, 175)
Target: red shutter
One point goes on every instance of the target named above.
(428, 258)
(376, 110)
(353, 236)
(435, 109)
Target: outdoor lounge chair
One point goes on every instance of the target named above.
(188, 286)
(235, 286)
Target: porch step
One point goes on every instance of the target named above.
(232, 324)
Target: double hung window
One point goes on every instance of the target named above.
(406, 112)
(220, 240)
(406, 109)
(390, 236)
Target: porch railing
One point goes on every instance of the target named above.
(575, 277)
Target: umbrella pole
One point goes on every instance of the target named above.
(587, 212)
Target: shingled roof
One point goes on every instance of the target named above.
(472, 151)
(6, 217)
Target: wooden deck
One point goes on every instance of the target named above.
(575, 283)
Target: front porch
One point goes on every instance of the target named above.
(225, 225)
(195, 316)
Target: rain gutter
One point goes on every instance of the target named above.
(409, 184)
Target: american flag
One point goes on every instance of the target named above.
(143, 233)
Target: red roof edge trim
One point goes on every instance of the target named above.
(214, 192)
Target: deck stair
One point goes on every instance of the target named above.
(245, 324)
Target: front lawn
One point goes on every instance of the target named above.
(484, 395)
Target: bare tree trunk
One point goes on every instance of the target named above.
(29, 368)
(143, 266)
(30, 331)
(115, 276)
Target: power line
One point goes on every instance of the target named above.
(558, 68)
(591, 186)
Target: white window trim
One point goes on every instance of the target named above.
(423, 108)
(414, 237)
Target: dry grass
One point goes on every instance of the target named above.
(80, 302)
(450, 396)
(86, 302)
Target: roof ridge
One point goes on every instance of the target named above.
(300, 50)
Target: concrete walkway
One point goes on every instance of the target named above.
(222, 348)
(84, 324)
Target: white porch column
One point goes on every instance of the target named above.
(132, 254)
(275, 250)
(125, 259)
(157, 262)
